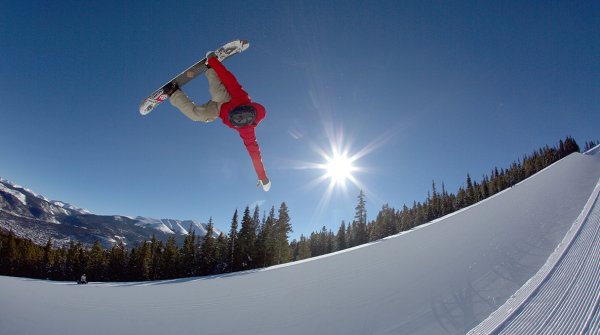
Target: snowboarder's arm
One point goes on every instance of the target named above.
(249, 137)
(228, 79)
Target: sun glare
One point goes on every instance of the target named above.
(339, 168)
(339, 165)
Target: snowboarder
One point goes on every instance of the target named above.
(232, 104)
(82, 280)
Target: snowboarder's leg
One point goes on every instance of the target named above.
(218, 92)
(205, 113)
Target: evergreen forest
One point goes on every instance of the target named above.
(255, 240)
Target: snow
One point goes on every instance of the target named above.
(170, 226)
(593, 151)
(35, 194)
(57, 210)
(535, 242)
(153, 223)
(58, 204)
(574, 266)
(66, 206)
(20, 196)
(60, 207)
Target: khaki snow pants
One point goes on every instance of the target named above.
(209, 111)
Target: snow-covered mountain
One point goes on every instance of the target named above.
(524, 260)
(170, 226)
(34, 216)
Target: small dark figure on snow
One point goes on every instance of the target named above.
(83, 280)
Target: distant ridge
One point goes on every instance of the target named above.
(34, 216)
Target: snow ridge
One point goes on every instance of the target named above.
(20, 196)
(36, 210)
(68, 206)
(171, 226)
(593, 150)
(563, 295)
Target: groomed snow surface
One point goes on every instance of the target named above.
(525, 261)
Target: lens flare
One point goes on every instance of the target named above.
(339, 168)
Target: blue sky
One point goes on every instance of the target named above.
(426, 90)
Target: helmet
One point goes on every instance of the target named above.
(243, 115)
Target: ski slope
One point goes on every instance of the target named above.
(527, 256)
(564, 296)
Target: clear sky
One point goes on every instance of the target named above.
(418, 90)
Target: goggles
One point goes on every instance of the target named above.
(242, 116)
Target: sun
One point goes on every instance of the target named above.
(339, 168)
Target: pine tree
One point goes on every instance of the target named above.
(222, 255)
(485, 189)
(419, 217)
(139, 262)
(385, 224)
(265, 241)
(81, 260)
(232, 260)
(350, 238)
(70, 261)
(303, 249)
(283, 227)
(361, 233)
(590, 145)
(435, 202)
(117, 262)
(96, 263)
(571, 146)
(47, 260)
(10, 255)
(208, 250)
(341, 237)
(59, 257)
(470, 195)
(256, 219)
(316, 246)
(446, 206)
(329, 242)
(247, 252)
(170, 260)
(188, 254)
(405, 219)
(156, 257)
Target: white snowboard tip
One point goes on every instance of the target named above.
(245, 44)
(144, 108)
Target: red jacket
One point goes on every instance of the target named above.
(240, 97)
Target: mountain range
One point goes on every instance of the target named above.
(33, 216)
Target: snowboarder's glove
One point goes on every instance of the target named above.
(265, 183)
(210, 54)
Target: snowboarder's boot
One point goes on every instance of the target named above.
(170, 88)
(230, 49)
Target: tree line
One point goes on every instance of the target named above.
(439, 202)
(255, 242)
(589, 145)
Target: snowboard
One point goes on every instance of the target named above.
(158, 96)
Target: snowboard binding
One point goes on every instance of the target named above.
(170, 88)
